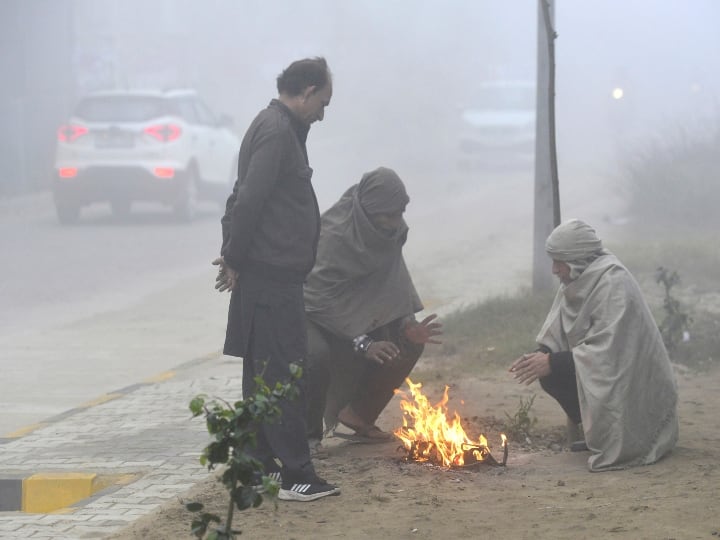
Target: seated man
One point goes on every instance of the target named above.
(601, 355)
(363, 339)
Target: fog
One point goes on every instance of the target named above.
(407, 74)
(403, 71)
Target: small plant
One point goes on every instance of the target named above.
(676, 322)
(521, 422)
(234, 427)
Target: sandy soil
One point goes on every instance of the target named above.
(544, 492)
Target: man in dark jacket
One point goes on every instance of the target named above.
(270, 234)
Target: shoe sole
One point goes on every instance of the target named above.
(289, 495)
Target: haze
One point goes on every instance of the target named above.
(132, 299)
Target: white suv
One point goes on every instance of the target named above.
(122, 146)
(498, 125)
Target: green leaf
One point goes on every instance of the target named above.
(246, 497)
(218, 452)
(196, 405)
(194, 506)
(210, 517)
(198, 528)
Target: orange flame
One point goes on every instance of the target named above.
(428, 435)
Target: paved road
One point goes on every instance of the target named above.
(51, 274)
(91, 308)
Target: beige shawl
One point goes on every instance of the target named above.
(626, 385)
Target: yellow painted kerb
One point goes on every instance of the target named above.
(99, 401)
(51, 491)
(56, 493)
(161, 377)
(25, 430)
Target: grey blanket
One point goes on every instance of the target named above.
(360, 281)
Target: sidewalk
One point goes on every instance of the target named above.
(145, 430)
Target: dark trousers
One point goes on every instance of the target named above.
(562, 385)
(337, 376)
(271, 330)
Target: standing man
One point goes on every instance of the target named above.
(601, 355)
(270, 235)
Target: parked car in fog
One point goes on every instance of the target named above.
(123, 146)
(497, 125)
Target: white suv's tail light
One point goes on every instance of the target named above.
(70, 133)
(164, 132)
(67, 172)
(164, 172)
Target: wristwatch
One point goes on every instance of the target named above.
(362, 343)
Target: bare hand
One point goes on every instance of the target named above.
(226, 278)
(530, 367)
(381, 352)
(424, 331)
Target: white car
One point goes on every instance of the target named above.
(498, 125)
(123, 146)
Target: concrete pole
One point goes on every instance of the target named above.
(547, 193)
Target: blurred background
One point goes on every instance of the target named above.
(443, 92)
(405, 73)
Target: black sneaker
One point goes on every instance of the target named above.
(316, 488)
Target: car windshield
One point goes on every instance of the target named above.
(506, 98)
(121, 108)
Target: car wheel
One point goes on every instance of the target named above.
(121, 208)
(186, 207)
(67, 213)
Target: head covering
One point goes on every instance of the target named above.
(575, 243)
(360, 281)
(572, 241)
(382, 192)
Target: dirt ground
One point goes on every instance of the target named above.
(545, 491)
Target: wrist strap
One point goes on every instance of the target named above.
(362, 343)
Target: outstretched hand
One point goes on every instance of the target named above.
(530, 367)
(226, 278)
(382, 352)
(424, 331)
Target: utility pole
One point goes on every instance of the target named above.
(547, 191)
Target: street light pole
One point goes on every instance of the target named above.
(547, 190)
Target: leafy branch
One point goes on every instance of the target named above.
(234, 429)
(676, 322)
(520, 423)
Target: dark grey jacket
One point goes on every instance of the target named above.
(272, 221)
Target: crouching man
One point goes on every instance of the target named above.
(360, 302)
(601, 355)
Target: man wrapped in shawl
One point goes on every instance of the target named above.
(363, 339)
(602, 357)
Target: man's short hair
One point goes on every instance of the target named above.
(303, 73)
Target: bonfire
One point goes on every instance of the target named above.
(429, 436)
